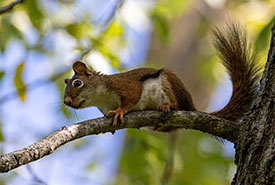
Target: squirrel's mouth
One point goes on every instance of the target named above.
(80, 104)
(77, 106)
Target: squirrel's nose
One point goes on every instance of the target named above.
(68, 100)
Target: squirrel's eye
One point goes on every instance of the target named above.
(77, 83)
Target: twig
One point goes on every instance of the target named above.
(170, 159)
(111, 16)
(183, 119)
(10, 6)
(35, 178)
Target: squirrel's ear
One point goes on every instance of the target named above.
(81, 68)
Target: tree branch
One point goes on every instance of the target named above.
(9, 7)
(184, 119)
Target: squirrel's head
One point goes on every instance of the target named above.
(79, 86)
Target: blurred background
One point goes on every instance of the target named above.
(39, 41)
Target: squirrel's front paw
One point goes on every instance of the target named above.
(118, 112)
(166, 107)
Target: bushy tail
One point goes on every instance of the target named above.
(241, 65)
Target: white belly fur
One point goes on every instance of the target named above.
(104, 100)
(152, 95)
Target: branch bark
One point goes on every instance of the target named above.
(183, 119)
(10, 6)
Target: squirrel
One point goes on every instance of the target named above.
(151, 89)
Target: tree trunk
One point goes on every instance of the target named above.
(255, 151)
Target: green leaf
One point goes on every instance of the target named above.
(65, 110)
(18, 82)
(1, 75)
(114, 30)
(79, 30)
(161, 27)
(59, 82)
(91, 166)
(35, 13)
(1, 134)
(72, 29)
(115, 62)
(112, 37)
(8, 32)
(264, 36)
(173, 8)
(80, 143)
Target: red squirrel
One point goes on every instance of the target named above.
(151, 89)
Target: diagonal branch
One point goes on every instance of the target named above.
(10, 6)
(183, 119)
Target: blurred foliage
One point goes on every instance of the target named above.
(8, 32)
(263, 39)
(113, 36)
(172, 9)
(79, 30)
(35, 13)
(8, 178)
(58, 79)
(198, 159)
(163, 12)
(161, 26)
(61, 87)
(32, 15)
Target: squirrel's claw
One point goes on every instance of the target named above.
(118, 112)
(166, 107)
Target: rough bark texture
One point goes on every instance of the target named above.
(190, 120)
(255, 151)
